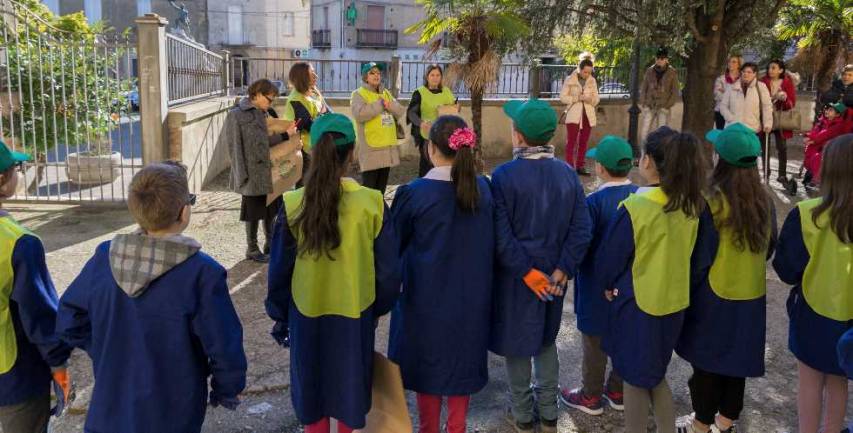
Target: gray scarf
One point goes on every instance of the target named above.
(533, 152)
(137, 259)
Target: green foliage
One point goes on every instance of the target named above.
(63, 81)
(816, 22)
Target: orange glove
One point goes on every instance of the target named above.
(539, 284)
(61, 384)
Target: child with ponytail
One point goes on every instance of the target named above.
(334, 271)
(440, 326)
(657, 245)
(815, 255)
(724, 327)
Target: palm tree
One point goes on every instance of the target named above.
(480, 32)
(824, 29)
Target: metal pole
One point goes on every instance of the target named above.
(634, 111)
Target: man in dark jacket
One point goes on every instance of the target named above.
(841, 90)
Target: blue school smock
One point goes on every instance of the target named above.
(152, 355)
(812, 338)
(639, 344)
(440, 326)
(590, 303)
(542, 222)
(33, 305)
(331, 356)
(845, 352)
(725, 336)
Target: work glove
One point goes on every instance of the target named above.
(539, 283)
(62, 389)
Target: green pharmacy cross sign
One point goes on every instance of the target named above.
(352, 14)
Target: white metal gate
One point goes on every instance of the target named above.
(68, 98)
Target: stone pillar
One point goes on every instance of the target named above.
(395, 76)
(153, 86)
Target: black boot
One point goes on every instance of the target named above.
(269, 224)
(252, 251)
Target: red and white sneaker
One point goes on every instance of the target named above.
(584, 403)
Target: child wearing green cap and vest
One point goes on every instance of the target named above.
(657, 245)
(613, 156)
(815, 255)
(31, 354)
(334, 271)
(724, 329)
(542, 232)
(375, 112)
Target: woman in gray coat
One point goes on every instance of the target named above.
(249, 142)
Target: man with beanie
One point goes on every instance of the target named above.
(658, 93)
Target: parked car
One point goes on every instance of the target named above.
(282, 88)
(133, 97)
(614, 90)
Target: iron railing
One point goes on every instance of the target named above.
(69, 101)
(194, 72)
(336, 78)
(369, 38)
(321, 38)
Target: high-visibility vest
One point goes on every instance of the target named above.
(736, 275)
(10, 232)
(380, 131)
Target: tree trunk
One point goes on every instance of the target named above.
(831, 44)
(703, 67)
(477, 119)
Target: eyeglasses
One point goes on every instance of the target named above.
(269, 99)
(192, 199)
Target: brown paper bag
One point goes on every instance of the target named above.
(277, 126)
(389, 413)
(285, 167)
(445, 110)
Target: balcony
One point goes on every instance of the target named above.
(367, 38)
(321, 38)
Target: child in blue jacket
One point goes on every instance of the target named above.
(440, 326)
(30, 351)
(542, 231)
(613, 156)
(154, 314)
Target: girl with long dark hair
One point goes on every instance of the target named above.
(334, 271)
(815, 255)
(440, 326)
(423, 110)
(724, 329)
(658, 243)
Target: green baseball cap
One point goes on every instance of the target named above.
(366, 67)
(840, 108)
(333, 122)
(9, 158)
(612, 152)
(534, 118)
(737, 144)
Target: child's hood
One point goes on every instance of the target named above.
(137, 259)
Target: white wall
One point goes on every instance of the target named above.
(260, 23)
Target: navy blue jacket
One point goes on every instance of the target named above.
(812, 338)
(33, 305)
(440, 326)
(590, 303)
(331, 356)
(152, 355)
(541, 221)
(640, 345)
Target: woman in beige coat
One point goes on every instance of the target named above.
(748, 102)
(376, 112)
(580, 94)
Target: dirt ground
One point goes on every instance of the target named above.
(70, 234)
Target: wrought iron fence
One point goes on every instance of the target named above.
(337, 78)
(68, 100)
(194, 72)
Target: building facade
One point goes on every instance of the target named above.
(260, 28)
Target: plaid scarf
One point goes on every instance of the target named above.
(137, 259)
(533, 152)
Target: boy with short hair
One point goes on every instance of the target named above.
(154, 314)
(613, 157)
(542, 226)
(30, 351)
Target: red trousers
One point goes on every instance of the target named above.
(577, 139)
(323, 426)
(812, 160)
(429, 412)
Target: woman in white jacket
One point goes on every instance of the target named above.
(580, 94)
(748, 102)
(725, 81)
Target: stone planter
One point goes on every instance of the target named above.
(87, 168)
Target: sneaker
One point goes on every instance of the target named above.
(614, 399)
(732, 429)
(584, 403)
(520, 427)
(684, 424)
(547, 426)
(582, 172)
(257, 256)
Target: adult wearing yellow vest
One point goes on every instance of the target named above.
(376, 112)
(423, 110)
(815, 255)
(335, 270)
(724, 329)
(31, 354)
(304, 104)
(659, 242)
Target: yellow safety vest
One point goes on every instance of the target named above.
(380, 131)
(313, 105)
(736, 275)
(10, 232)
(828, 279)
(663, 243)
(430, 102)
(346, 284)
